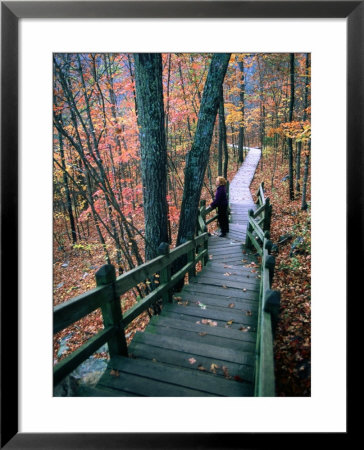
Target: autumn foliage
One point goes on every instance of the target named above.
(98, 193)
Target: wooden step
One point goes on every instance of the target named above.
(179, 380)
(202, 337)
(179, 359)
(214, 313)
(214, 352)
(207, 289)
(184, 325)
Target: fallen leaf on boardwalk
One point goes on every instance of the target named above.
(227, 267)
(253, 271)
(244, 290)
(244, 329)
(249, 313)
(227, 274)
(114, 373)
(232, 305)
(178, 299)
(213, 367)
(211, 256)
(237, 378)
(185, 303)
(192, 360)
(201, 368)
(224, 286)
(205, 321)
(226, 373)
(154, 360)
(198, 322)
(202, 333)
(212, 323)
(201, 305)
(230, 322)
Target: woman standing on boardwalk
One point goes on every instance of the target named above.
(221, 202)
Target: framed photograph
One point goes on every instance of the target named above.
(31, 32)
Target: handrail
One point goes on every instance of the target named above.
(269, 300)
(109, 289)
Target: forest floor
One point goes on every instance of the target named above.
(75, 267)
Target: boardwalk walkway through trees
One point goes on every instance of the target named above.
(204, 342)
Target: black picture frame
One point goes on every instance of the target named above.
(11, 12)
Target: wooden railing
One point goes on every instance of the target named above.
(269, 300)
(106, 296)
(109, 289)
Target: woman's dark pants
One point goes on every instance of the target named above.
(223, 219)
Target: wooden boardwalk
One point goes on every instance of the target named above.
(204, 343)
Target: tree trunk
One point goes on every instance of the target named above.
(67, 191)
(241, 127)
(290, 143)
(222, 127)
(305, 179)
(298, 166)
(197, 158)
(149, 92)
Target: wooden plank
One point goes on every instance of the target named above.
(228, 249)
(244, 277)
(181, 359)
(255, 243)
(147, 270)
(224, 314)
(87, 391)
(67, 365)
(220, 280)
(265, 383)
(191, 348)
(167, 321)
(194, 336)
(142, 305)
(74, 309)
(208, 289)
(146, 387)
(219, 301)
(181, 376)
(220, 323)
(257, 228)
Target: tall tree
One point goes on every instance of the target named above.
(197, 158)
(149, 94)
(222, 135)
(241, 126)
(290, 140)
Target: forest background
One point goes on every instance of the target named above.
(98, 198)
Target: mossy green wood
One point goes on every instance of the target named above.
(264, 371)
(111, 312)
(74, 309)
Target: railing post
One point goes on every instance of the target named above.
(269, 264)
(268, 245)
(248, 243)
(191, 257)
(111, 312)
(272, 305)
(267, 213)
(202, 212)
(165, 274)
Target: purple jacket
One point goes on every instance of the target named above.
(220, 198)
